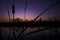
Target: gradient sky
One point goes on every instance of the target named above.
(34, 8)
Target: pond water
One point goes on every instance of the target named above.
(30, 33)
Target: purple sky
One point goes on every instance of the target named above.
(34, 8)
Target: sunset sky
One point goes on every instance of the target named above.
(34, 8)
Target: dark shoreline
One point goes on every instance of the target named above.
(52, 24)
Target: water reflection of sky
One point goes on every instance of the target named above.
(38, 35)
